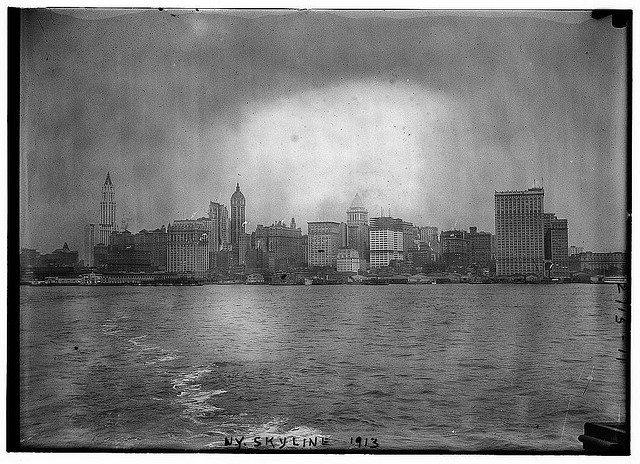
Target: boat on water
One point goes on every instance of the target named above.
(601, 279)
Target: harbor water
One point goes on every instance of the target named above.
(458, 368)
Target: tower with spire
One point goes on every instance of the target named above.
(358, 227)
(238, 204)
(357, 213)
(108, 222)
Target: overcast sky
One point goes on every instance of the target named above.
(426, 115)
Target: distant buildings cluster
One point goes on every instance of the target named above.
(528, 241)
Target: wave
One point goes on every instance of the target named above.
(194, 399)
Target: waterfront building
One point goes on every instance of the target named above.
(348, 260)
(479, 247)
(238, 206)
(155, 243)
(385, 246)
(556, 242)
(519, 232)
(386, 241)
(396, 225)
(188, 247)
(278, 246)
(60, 257)
(122, 254)
(107, 212)
(29, 257)
(90, 241)
(323, 243)
(614, 263)
(454, 248)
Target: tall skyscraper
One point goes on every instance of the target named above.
(358, 228)
(107, 211)
(219, 236)
(90, 236)
(556, 242)
(520, 232)
(237, 225)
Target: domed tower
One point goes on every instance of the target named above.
(357, 213)
(358, 227)
(237, 218)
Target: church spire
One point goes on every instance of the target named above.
(108, 179)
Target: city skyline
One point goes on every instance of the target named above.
(350, 211)
(430, 122)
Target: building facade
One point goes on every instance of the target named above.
(90, 241)
(575, 250)
(188, 247)
(479, 247)
(107, 212)
(386, 240)
(358, 228)
(455, 247)
(153, 242)
(279, 246)
(609, 264)
(385, 246)
(349, 260)
(556, 242)
(238, 206)
(519, 232)
(219, 236)
(324, 241)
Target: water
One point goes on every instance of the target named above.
(456, 368)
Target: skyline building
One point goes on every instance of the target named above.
(348, 260)
(519, 232)
(219, 236)
(480, 247)
(278, 246)
(358, 228)
(153, 242)
(188, 247)
(386, 241)
(107, 211)
(90, 241)
(455, 247)
(556, 241)
(238, 206)
(323, 243)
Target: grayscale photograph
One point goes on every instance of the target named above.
(319, 231)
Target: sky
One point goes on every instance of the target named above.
(424, 114)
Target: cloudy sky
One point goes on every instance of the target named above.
(426, 114)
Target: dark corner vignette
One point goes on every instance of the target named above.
(12, 400)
